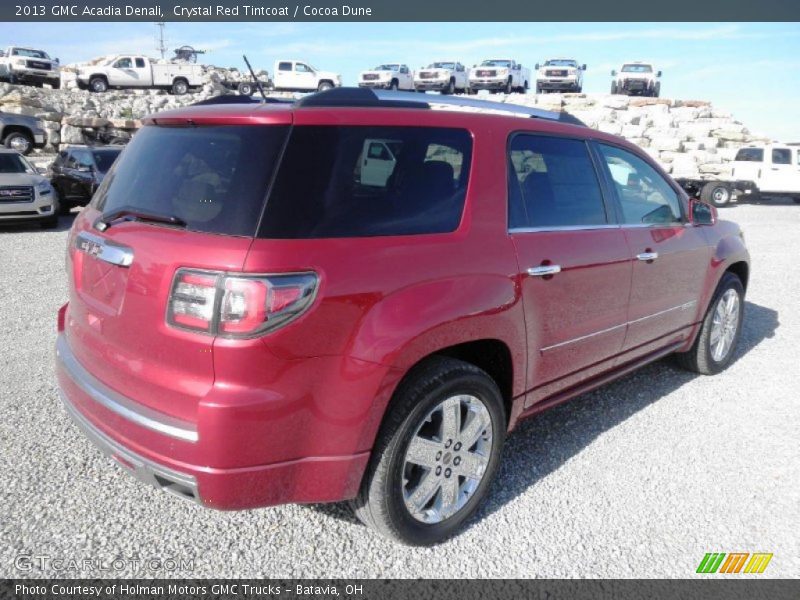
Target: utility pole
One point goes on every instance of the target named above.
(161, 40)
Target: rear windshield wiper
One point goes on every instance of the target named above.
(134, 214)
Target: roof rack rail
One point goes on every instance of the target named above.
(364, 97)
(240, 99)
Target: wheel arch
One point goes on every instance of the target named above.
(7, 130)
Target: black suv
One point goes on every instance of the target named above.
(79, 170)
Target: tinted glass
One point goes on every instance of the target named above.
(328, 186)
(781, 156)
(553, 183)
(13, 163)
(139, 63)
(103, 159)
(285, 66)
(644, 195)
(213, 178)
(750, 155)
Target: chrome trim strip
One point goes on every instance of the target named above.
(684, 306)
(104, 249)
(562, 228)
(115, 402)
(583, 337)
(141, 468)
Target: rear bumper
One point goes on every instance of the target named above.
(178, 456)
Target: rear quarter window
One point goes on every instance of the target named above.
(349, 181)
(750, 155)
(215, 178)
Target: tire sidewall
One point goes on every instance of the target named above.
(728, 282)
(409, 528)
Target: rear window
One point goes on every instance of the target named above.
(213, 178)
(750, 155)
(369, 181)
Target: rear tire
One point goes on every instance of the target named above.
(246, 88)
(704, 357)
(180, 87)
(716, 193)
(441, 406)
(324, 86)
(614, 89)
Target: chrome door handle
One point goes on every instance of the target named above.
(647, 256)
(543, 270)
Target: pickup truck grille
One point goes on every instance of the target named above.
(370, 77)
(427, 75)
(16, 193)
(486, 73)
(36, 64)
(556, 73)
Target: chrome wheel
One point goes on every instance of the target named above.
(447, 458)
(724, 325)
(721, 195)
(20, 143)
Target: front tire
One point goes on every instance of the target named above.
(98, 85)
(509, 86)
(19, 141)
(324, 86)
(436, 454)
(715, 345)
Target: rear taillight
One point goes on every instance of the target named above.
(238, 305)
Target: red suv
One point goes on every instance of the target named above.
(357, 296)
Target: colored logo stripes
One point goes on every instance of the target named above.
(734, 562)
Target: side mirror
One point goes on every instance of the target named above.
(473, 66)
(583, 68)
(701, 213)
(56, 60)
(613, 73)
(658, 74)
(536, 66)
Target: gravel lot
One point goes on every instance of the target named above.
(638, 479)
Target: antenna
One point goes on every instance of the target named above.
(255, 79)
(161, 40)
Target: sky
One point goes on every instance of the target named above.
(749, 69)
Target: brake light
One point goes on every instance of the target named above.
(238, 305)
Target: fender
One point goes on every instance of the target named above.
(420, 320)
(729, 249)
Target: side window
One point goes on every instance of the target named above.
(750, 155)
(301, 68)
(140, 63)
(781, 156)
(123, 63)
(552, 183)
(83, 159)
(644, 195)
(70, 162)
(349, 181)
(285, 66)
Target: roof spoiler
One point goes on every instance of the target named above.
(364, 97)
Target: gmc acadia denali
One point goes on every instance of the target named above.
(252, 322)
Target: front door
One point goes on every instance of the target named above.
(575, 268)
(670, 257)
(305, 77)
(123, 72)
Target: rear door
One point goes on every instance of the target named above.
(213, 178)
(574, 261)
(670, 257)
(781, 173)
(748, 165)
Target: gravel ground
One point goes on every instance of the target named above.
(638, 479)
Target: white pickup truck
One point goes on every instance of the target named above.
(447, 77)
(636, 78)
(499, 75)
(299, 76)
(390, 76)
(29, 66)
(137, 71)
(757, 171)
(559, 75)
